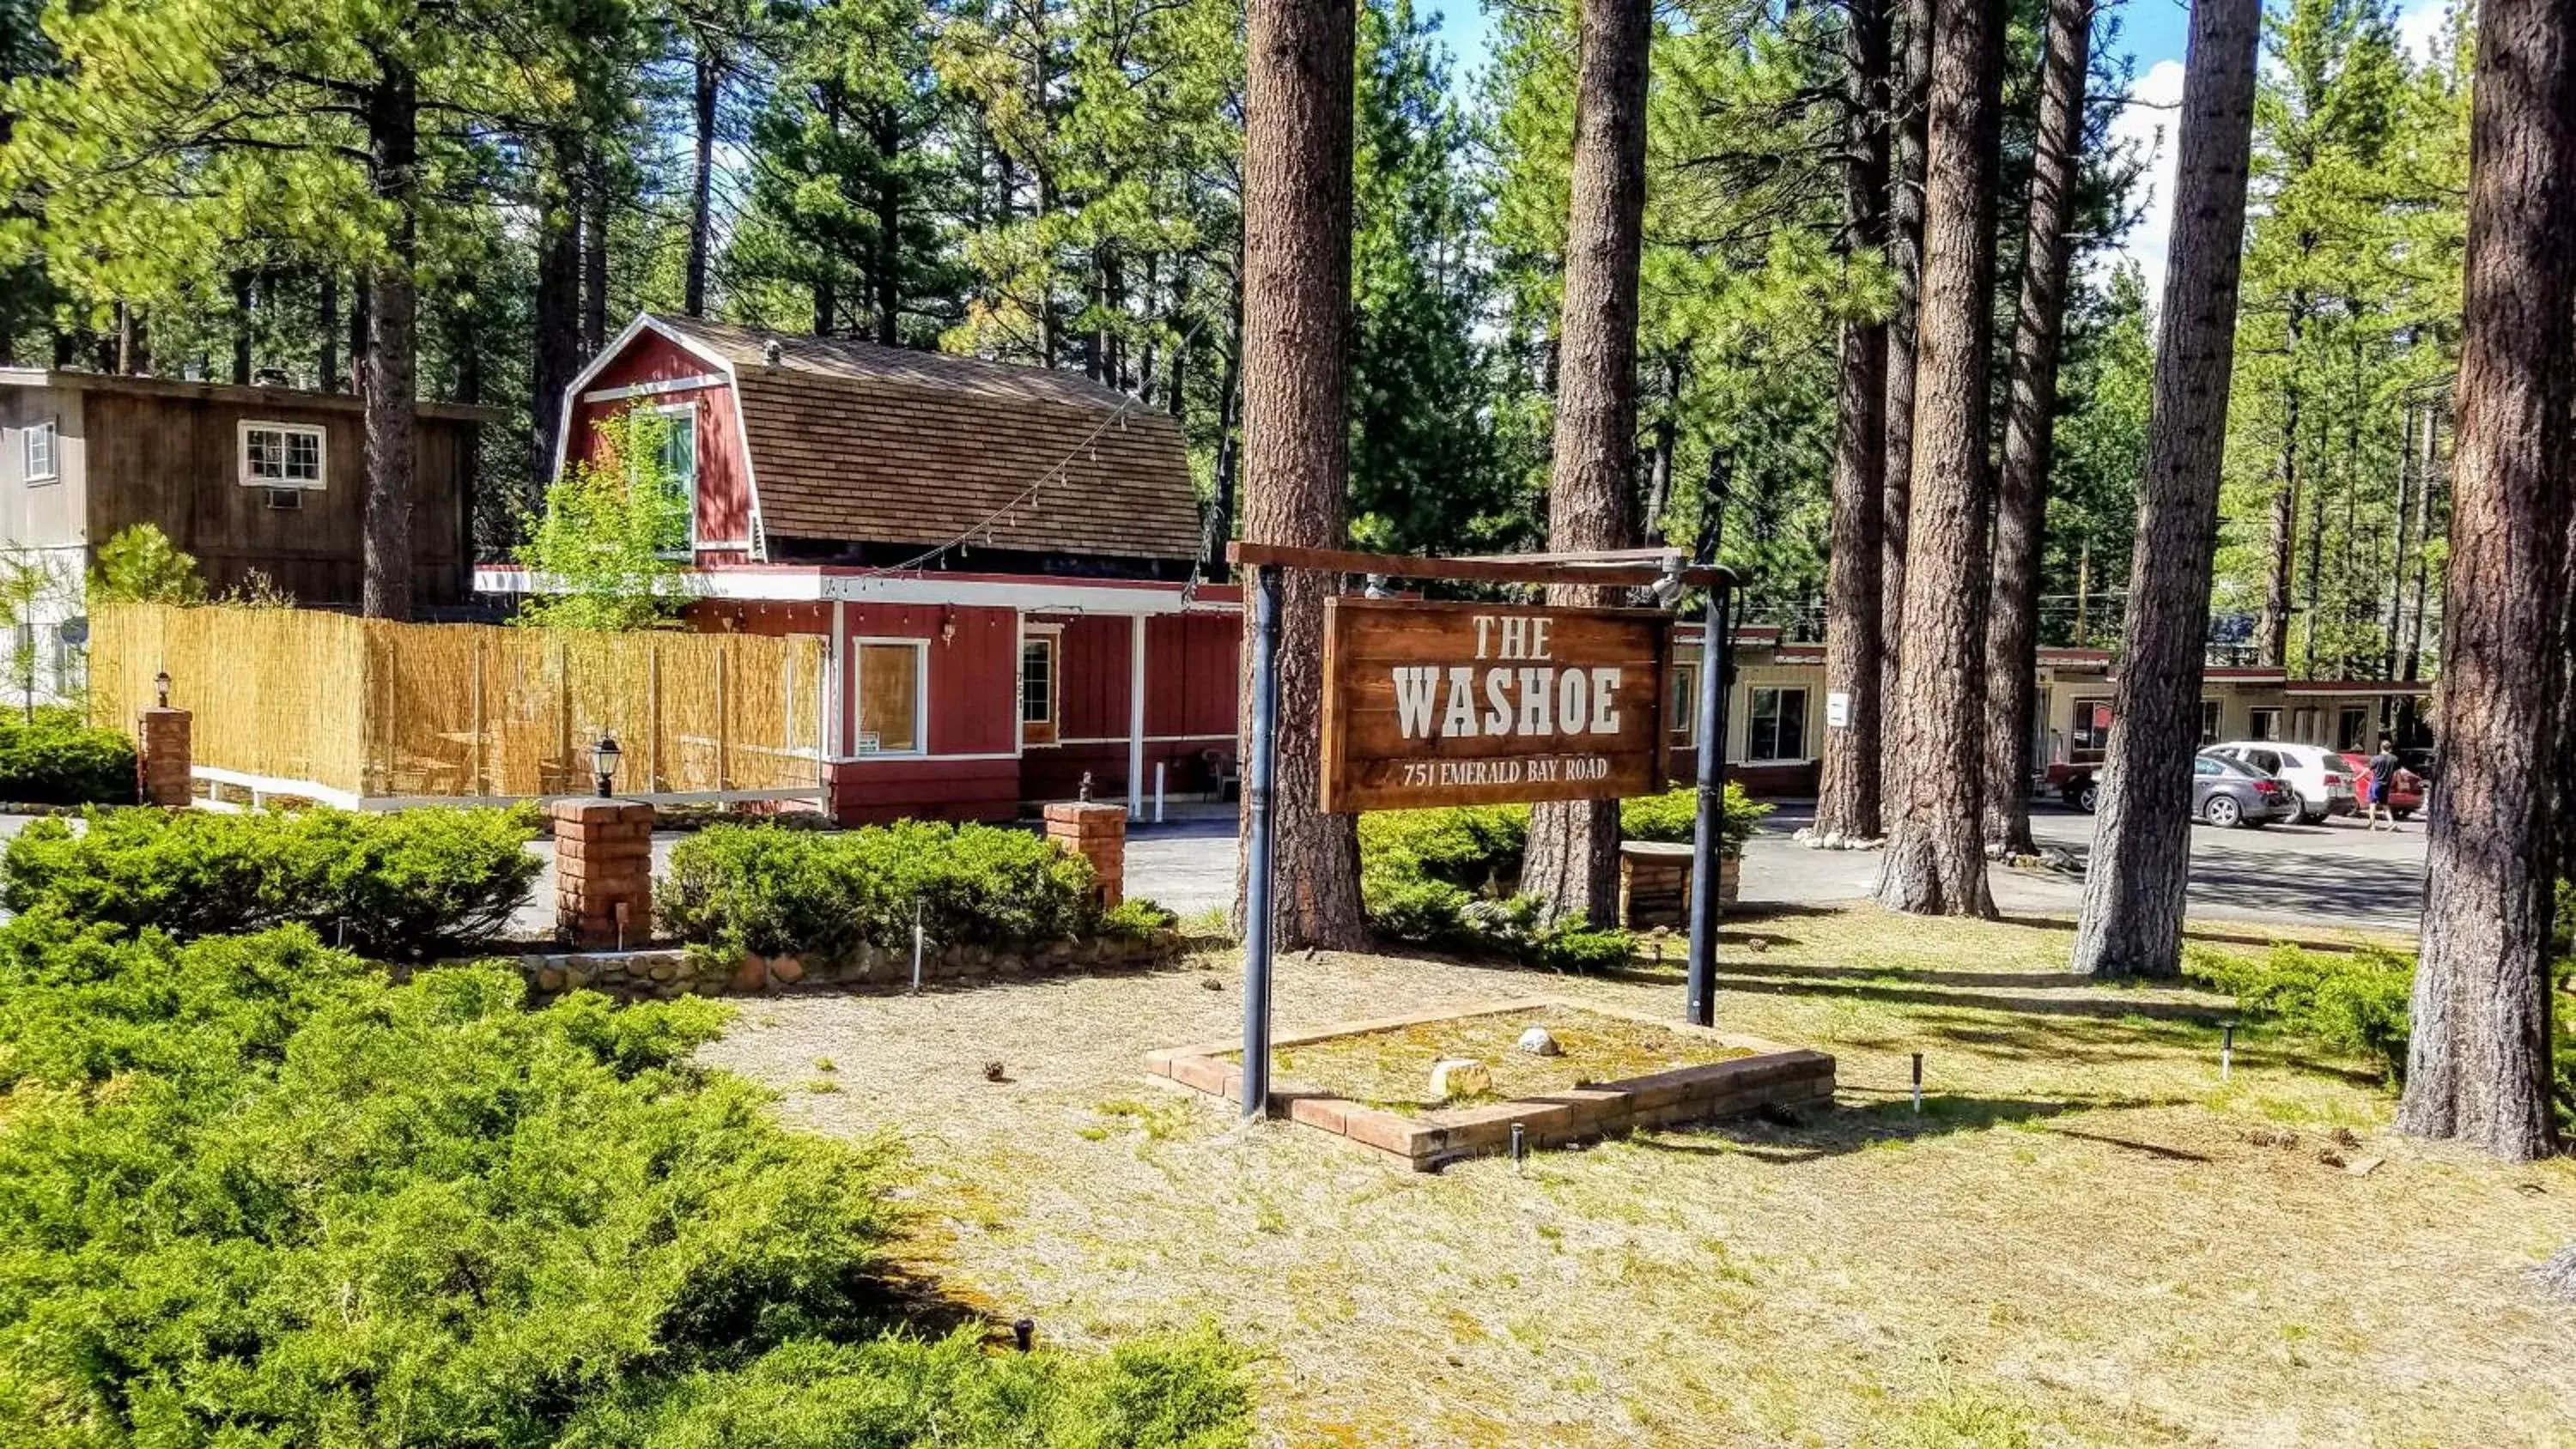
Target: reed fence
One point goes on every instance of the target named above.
(385, 712)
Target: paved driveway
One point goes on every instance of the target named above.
(2329, 874)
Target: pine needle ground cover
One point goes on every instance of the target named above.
(2086, 1237)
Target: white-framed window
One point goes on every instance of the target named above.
(1041, 685)
(1681, 711)
(2263, 723)
(1777, 725)
(2088, 731)
(284, 455)
(679, 462)
(42, 453)
(2209, 721)
(2352, 727)
(890, 698)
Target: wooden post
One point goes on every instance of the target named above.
(724, 714)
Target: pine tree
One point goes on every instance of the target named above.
(2131, 924)
(1935, 862)
(1296, 309)
(2478, 1066)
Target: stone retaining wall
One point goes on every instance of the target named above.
(670, 972)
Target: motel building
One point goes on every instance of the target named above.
(1005, 565)
(1776, 714)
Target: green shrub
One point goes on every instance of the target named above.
(898, 1392)
(408, 885)
(1674, 816)
(1136, 919)
(759, 888)
(2354, 1001)
(55, 759)
(253, 1193)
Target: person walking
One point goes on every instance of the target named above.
(2383, 784)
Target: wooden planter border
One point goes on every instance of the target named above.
(1774, 1076)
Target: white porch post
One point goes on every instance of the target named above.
(1136, 719)
(836, 684)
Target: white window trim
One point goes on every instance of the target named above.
(687, 410)
(51, 431)
(1686, 698)
(320, 435)
(2259, 711)
(1752, 690)
(920, 696)
(1053, 634)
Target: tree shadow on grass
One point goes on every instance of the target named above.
(1812, 1135)
(1874, 986)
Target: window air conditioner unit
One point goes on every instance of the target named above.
(288, 499)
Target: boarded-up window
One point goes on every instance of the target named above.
(889, 698)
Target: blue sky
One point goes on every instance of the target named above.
(2151, 35)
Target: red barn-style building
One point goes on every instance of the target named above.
(1001, 559)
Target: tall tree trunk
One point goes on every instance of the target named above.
(2428, 481)
(1229, 447)
(244, 297)
(556, 355)
(2403, 516)
(2131, 923)
(594, 259)
(2477, 1061)
(1573, 862)
(706, 96)
(393, 343)
(1847, 793)
(2030, 431)
(1936, 862)
(2316, 577)
(1296, 338)
(888, 135)
(2272, 627)
(1659, 459)
(1905, 251)
(326, 363)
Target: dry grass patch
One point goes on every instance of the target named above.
(2086, 1238)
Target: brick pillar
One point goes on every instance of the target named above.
(162, 758)
(603, 871)
(1097, 833)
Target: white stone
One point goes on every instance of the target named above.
(1458, 1077)
(1538, 1043)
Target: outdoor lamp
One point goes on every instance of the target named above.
(161, 687)
(603, 761)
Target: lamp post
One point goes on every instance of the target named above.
(603, 761)
(161, 688)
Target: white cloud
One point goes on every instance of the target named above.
(2421, 26)
(2150, 122)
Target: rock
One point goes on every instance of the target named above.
(750, 974)
(664, 971)
(1210, 983)
(1756, 945)
(2362, 1166)
(550, 980)
(1457, 1077)
(1538, 1042)
(787, 970)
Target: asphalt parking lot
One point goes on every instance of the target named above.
(2334, 874)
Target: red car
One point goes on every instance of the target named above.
(2404, 799)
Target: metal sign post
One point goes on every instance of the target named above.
(1707, 829)
(1256, 809)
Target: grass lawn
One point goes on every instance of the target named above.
(2086, 1237)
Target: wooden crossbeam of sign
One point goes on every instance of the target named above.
(1480, 704)
(1610, 569)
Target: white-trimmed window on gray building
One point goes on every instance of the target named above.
(41, 453)
(284, 455)
(1776, 725)
(2263, 723)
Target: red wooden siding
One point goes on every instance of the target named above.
(724, 489)
(1190, 679)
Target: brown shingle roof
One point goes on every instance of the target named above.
(850, 440)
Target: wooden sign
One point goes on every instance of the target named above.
(1480, 704)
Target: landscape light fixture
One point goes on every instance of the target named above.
(161, 687)
(603, 761)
